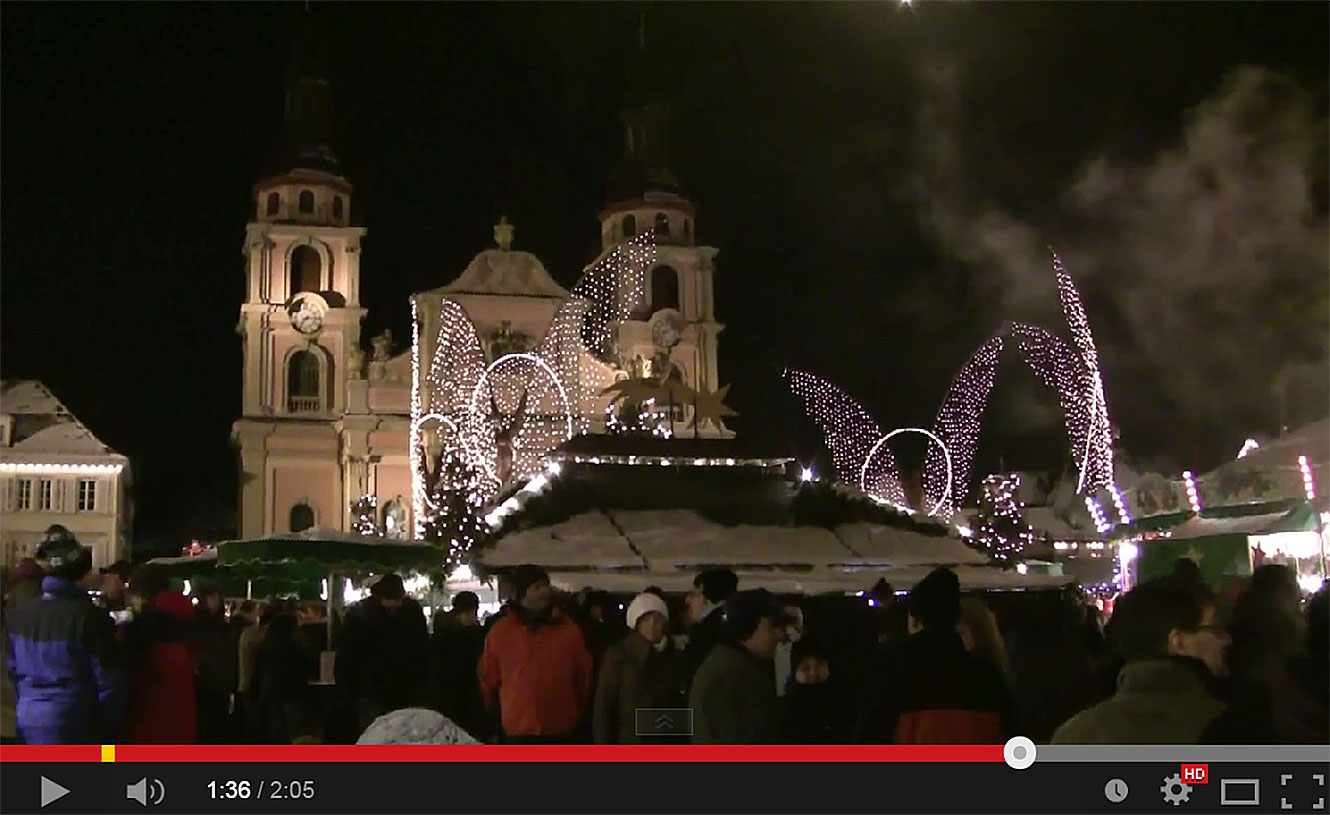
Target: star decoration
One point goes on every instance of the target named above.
(1194, 554)
(711, 407)
(632, 391)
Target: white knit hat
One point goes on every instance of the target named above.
(642, 603)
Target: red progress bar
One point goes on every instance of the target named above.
(578, 753)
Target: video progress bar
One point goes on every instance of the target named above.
(1266, 753)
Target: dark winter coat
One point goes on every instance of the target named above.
(1158, 701)
(283, 665)
(161, 673)
(734, 700)
(634, 675)
(456, 653)
(702, 638)
(1292, 707)
(216, 658)
(67, 667)
(817, 714)
(937, 692)
(383, 656)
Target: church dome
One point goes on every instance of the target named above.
(506, 271)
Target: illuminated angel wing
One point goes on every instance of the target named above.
(851, 433)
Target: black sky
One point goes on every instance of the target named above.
(132, 134)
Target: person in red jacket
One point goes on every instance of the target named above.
(161, 673)
(536, 668)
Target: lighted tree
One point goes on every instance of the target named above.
(454, 505)
(1000, 526)
(365, 515)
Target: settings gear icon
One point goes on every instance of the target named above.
(1175, 792)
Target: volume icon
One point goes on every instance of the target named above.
(146, 791)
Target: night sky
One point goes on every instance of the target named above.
(881, 182)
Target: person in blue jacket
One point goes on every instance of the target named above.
(64, 659)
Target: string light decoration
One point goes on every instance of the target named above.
(1308, 482)
(1000, 524)
(1193, 495)
(850, 433)
(454, 498)
(1073, 371)
(1101, 523)
(1097, 461)
(645, 419)
(1120, 503)
(959, 421)
(365, 515)
(504, 418)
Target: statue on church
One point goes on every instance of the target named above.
(383, 346)
(506, 427)
(506, 341)
(355, 363)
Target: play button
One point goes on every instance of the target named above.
(51, 792)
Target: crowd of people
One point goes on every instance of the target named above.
(1174, 664)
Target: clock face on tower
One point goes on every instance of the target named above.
(306, 315)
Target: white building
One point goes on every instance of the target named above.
(55, 471)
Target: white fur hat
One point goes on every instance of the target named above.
(643, 603)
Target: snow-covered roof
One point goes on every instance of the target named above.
(900, 548)
(1203, 527)
(506, 272)
(43, 425)
(816, 581)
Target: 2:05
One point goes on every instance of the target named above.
(271, 790)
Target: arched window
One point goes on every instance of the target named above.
(306, 269)
(662, 225)
(302, 517)
(664, 288)
(688, 229)
(306, 201)
(302, 383)
(629, 226)
(274, 203)
(337, 207)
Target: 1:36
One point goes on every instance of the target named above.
(230, 790)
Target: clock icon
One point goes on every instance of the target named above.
(306, 316)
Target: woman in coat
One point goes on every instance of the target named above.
(642, 671)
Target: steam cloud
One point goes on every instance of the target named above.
(1206, 267)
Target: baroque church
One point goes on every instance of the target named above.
(323, 423)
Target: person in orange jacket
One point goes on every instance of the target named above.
(536, 668)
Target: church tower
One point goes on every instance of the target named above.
(675, 325)
(300, 319)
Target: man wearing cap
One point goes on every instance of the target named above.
(536, 671)
(383, 655)
(733, 697)
(62, 653)
(456, 644)
(711, 589)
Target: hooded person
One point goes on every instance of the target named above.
(639, 672)
(817, 707)
(535, 671)
(938, 692)
(66, 665)
(733, 696)
(383, 654)
(162, 704)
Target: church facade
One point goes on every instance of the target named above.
(502, 349)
